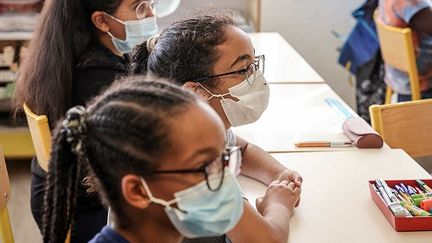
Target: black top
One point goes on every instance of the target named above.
(97, 68)
(108, 235)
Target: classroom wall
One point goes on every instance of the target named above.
(187, 8)
(307, 26)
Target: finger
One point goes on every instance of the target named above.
(258, 202)
(298, 202)
(285, 183)
(291, 186)
(273, 183)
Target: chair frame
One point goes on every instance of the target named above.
(388, 55)
(6, 234)
(43, 147)
(377, 119)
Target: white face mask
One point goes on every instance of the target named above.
(137, 31)
(252, 100)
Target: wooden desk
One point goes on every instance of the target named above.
(297, 112)
(336, 205)
(283, 63)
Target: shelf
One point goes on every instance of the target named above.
(15, 35)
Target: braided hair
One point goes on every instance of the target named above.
(122, 131)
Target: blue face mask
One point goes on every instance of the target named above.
(137, 31)
(201, 212)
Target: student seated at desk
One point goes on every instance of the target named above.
(76, 52)
(157, 156)
(417, 15)
(212, 57)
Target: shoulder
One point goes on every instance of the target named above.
(97, 56)
(96, 70)
(107, 234)
(406, 9)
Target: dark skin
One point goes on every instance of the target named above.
(421, 22)
(148, 221)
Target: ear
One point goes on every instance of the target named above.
(133, 191)
(99, 20)
(197, 89)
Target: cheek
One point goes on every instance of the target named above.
(118, 30)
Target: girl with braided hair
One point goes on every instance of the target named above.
(157, 157)
(215, 59)
(77, 51)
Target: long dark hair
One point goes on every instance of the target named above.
(124, 130)
(185, 51)
(45, 77)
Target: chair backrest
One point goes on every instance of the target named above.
(406, 125)
(41, 136)
(5, 226)
(397, 50)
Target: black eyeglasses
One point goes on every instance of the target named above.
(214, 171)
(249, 72)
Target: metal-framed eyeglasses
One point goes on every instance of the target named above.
(249, 72)
(144, 8)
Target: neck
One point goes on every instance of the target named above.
(105, 39)
(149, 230)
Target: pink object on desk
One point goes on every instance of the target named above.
(361, 134)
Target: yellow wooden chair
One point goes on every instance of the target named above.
(406, 125)
(41, 136)
(6, 235)
(397, 50)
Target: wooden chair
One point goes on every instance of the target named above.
(6, 235)
(41, 136)
(397, 50)
(406, 125)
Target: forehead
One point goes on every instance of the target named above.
(197, 128)
(237, 43)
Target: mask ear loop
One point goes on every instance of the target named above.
(154, 199)
(213, 95)
(116, 19)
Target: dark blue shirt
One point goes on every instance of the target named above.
(107, 234)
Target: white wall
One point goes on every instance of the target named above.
(188, 7)
(307, 26)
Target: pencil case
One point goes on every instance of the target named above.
(361, 134)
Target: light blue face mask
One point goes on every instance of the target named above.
(201, 212)
(137, 31)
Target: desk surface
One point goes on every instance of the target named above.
(336, 205)
(297, 112)
(283, 63)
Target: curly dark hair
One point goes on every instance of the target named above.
(185, 51)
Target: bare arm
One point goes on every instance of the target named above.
(271, 223)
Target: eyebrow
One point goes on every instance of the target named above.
(203, 151)
(241, 58)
